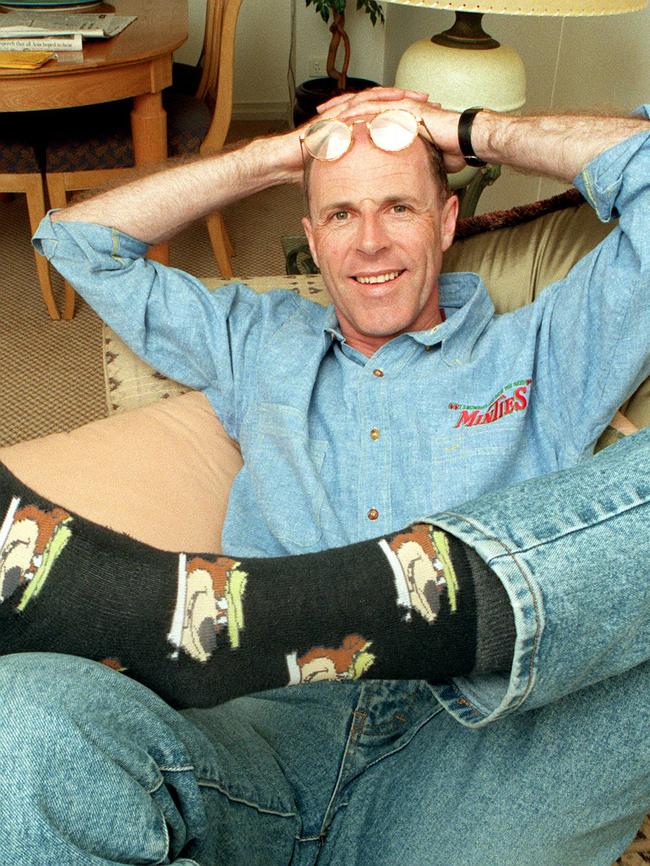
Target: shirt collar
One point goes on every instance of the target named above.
(331, 325)
(468, 308)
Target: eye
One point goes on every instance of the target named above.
(400, 208)
(340, 216)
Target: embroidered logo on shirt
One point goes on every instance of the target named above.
(511, 398)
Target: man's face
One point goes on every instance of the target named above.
(377, 230)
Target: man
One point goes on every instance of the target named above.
(327, 406)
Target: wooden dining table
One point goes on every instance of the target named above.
(136, 63)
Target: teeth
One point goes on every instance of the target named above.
(380, 278)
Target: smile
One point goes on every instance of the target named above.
(379, 278)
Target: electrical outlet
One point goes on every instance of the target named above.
(316, 68)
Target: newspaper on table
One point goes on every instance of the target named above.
(74, 42)
(100, 26)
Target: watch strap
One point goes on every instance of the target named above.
(465, 122)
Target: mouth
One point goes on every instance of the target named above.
(377, 279)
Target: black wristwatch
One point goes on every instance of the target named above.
(465, 122)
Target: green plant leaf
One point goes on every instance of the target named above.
(373, 8)
(325, 7)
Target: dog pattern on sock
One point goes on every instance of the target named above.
(31, 539)
(423, 570)
(209, 601)
(207, 596)
(348, 662)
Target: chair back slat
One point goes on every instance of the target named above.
(209, 61)
(221, 85)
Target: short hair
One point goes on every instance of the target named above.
(434, 158)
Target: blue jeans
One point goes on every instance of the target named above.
(549, 765)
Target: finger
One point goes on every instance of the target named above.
(334, 101)
(358, 109)
(374, 94)
(453, 164)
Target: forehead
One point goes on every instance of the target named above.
(366, 171)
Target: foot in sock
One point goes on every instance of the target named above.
(200, 629)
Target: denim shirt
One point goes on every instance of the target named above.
(338, 447)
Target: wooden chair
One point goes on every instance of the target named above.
(93, 145)
(20, 172)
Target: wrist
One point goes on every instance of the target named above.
(275, 159)
(464, 132)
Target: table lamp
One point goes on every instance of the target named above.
(463, 66)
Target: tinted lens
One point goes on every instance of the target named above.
(327, 139)
(394, 129)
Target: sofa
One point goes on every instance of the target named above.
(160, 465)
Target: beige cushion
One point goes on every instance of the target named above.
(517, 263)
(161, 473)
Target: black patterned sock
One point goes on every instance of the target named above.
(201, 629)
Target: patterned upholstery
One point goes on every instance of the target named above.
(18, 154)
(99, 136)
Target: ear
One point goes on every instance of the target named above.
(448, 219)
(306, 224)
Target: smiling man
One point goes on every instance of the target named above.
(378, 225)
(349, 426)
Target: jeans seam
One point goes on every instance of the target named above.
(344, 802)
(359, 718)
(165, 829)
(413, 733)
(382, 729)
(265, 810)
(567, 532)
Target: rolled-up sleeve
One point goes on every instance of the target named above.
(594, 345)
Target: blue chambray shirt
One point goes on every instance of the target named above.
(338, 447)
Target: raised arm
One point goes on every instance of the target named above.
(155, 207)
(558, 145)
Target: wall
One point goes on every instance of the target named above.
(262, 52)
(263, 84)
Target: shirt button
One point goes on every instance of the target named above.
(378, 373)
(373, 514)
(375, 434)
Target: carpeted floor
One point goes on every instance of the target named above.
(51, 375)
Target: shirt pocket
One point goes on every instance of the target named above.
(285, 467)
(469, 461)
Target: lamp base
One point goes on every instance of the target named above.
(459, 79)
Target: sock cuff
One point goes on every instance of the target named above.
(495, 630)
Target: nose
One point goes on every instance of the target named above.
(372, 237)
